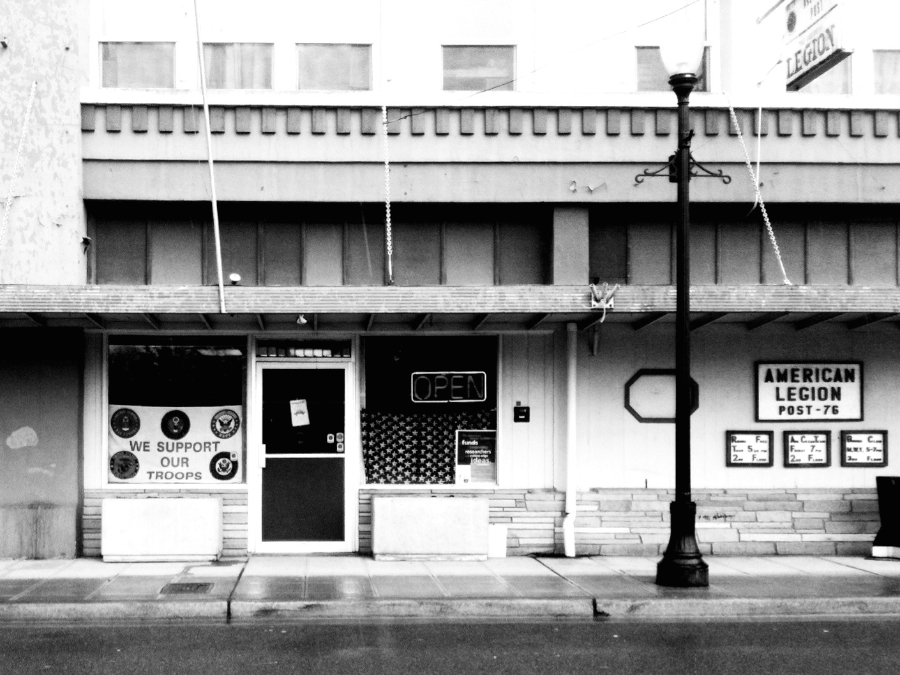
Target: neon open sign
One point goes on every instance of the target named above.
(449, 387)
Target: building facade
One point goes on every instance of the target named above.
(416, 216)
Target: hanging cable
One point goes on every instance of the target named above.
(15, 173)
(762, 205)
(389, 240)
(209, 155)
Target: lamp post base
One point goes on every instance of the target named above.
(682, 565)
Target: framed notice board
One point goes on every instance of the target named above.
(749, 448)
(807, 448)
(864, 448)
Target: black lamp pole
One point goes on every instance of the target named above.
(682, 564)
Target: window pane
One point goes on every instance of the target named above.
(239, 252)
(834, 81)
(524, 253)
(887, 72)
(652, 74)
(334, 67)
(417, 254)
(238, 65)
(176, 410)
(176, 252)
(282, 254)
(479, 68)
(407, 440)
(365, 254)
(469, 254)
(121, 251)
(163, 371)
(149, 65)
(607, 246)
(323, 259)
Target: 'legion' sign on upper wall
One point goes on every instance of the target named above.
(809, 392)
(815, 40)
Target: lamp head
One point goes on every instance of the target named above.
(682, 50)
(682, 59)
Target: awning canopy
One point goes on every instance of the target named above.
(431, 309)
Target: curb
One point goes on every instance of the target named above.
(240, 611)
(256, 610)
(746, 607)
(109, 611)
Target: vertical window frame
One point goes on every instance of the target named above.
(510, 79)
(102, 46)
(298, 47)
(876, 80)
(235, 45)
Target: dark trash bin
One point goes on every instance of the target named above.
(887, 541)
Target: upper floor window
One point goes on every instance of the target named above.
(887, 71)
(144, 65)
(479, 68)
(652, 74)
(334, 67)
(238, 65)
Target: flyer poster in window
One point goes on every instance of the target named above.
(476, 457)
(175, 446)
(864, 448)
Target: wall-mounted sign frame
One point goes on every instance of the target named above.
(468, 386)
(650, 395)
(811, 391)
(749, 448)
(807, 448)
(864, 448)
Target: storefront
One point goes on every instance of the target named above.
(297, 436)
(285, 431)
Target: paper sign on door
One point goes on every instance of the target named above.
(299, 413)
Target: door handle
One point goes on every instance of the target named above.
(262, 456)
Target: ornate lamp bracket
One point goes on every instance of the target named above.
(670, 170)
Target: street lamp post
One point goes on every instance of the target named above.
(682, 564)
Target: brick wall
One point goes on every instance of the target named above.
(234, 515)
(636, 522)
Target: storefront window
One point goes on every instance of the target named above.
(430, 410)
(176, 413)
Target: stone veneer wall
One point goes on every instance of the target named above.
(636, 522)
(234, 514)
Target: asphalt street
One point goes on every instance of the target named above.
(839, 646)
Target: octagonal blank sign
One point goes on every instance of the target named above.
(650, 395)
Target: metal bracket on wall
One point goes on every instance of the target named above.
(671, 171)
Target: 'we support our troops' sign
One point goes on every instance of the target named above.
(187, 445)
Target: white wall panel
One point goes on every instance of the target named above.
(615, 450)
(529, 376)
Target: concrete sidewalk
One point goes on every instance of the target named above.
(341, 587)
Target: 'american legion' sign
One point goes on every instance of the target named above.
(809, 392)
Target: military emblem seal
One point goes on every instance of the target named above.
(124, 465)
(125, 423)
(224, 466)
(175, 424)
(225, 423)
